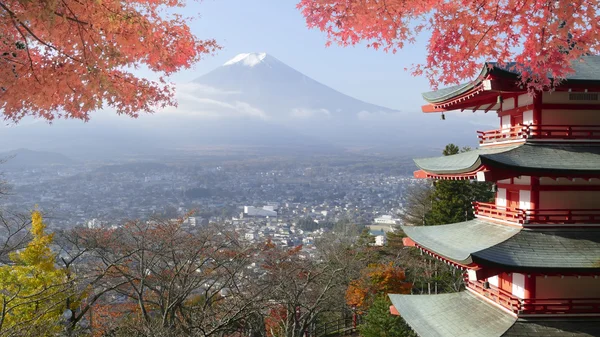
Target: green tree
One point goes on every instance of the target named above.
(378, 321)
(452, 199)
(32, 288)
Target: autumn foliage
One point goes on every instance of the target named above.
(543, 37)
(67, 58)
(376, 279)
(32, 292)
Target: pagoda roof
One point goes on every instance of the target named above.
(495, 245)
(561, 249)
(586, 70)
(458, 241)
(454, 314)
(463, 314)
(527, 157)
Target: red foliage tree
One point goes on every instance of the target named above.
(542, 36)
(376, 279)
(67, 58)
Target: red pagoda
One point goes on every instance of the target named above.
(531, 259)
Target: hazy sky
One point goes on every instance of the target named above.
(278, 28)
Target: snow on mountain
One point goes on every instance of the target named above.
(247, 59)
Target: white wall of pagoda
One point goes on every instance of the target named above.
(570, 117)
(501, 197)
(569, 200)
(518, 285)
(567, 287)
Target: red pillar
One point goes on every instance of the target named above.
(537, 108)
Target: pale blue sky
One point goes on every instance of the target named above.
(278, 28)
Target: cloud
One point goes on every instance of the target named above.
(201, 89)
(307, 113)
(195, 100)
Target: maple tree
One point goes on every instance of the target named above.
(376, 279)
(67, 58)
(543, 37)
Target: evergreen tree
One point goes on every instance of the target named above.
(452, 199)
(378, 322)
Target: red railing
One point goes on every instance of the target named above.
(536, 306)
(498, 212)
(563, 131)
(497, 295)
(561, 306)
(531, 131)
(537, 216)
(512, 133)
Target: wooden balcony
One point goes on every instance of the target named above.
(548, 132)
(537, 216)
(536, 306)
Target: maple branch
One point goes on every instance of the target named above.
(26, 49)
(15, 18)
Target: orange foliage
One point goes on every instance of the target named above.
(274, 320)
(106, 317)
(67, 58)
(536, 34)
(376, 279)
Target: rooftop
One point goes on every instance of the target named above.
(490, 244)
(528, 157)
(587, 70)
(463, 314)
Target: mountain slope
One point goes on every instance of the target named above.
(25, 158)
(279, 90)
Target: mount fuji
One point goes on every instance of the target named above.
(258, 87)
(251, 100)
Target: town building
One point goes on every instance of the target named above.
(531, 259)
(386, 220)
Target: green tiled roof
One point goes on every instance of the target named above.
(463, 314)
(528, 157)
(572, 249)
(571, 327)
(449, 315)
(459, 240)
(491, 244)
(588, 69)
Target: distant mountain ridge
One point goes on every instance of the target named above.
(24, 158)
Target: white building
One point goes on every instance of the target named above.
(386, 220)
(380, 240)
(259, 212)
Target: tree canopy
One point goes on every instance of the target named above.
(543, 37)
(68, 58)
(32, 296)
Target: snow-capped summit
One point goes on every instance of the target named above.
(247, 59)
